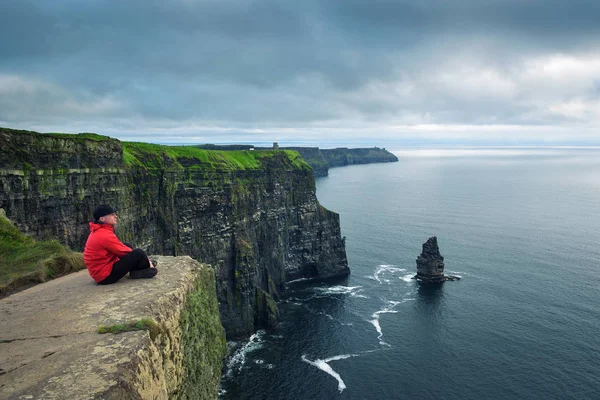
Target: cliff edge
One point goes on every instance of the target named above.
(322, 159)
(253, 215)
(169, 342)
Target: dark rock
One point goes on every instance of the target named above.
(258, 226)
(430, 264)
(322, 159)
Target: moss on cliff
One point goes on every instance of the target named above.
(143, 324)
(267, 312)
(25, 261)
(203, 340)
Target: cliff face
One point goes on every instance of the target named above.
(322, 159)
(253, 215)
(168, 341)
(342, 156)
(315, 158)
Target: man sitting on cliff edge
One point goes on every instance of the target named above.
(107, 258)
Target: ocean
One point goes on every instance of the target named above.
(520, 225)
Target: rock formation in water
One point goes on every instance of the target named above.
(253, 215)
(430, 264)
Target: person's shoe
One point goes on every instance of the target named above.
(153, 262)
(146, 273)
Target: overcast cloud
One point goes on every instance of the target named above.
(343, 71)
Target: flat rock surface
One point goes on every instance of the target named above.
(49, 345)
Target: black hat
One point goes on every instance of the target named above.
(103, 210)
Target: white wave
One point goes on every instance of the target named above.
(293, 300)
(356, 294)
(337, 289)
(408, 278)
(340, 357)
(385, 268)
(323, 366)
(386, 310)
(376, 313)
(269, 366)
(259, 362)
(298, 280)
(238, 359)
(375, 323)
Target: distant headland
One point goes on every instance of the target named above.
(322, 159)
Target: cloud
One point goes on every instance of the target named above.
(47, 101)
(340, 69)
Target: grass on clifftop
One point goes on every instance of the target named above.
(25, 261)
(150, 155)
(79, 136)
(142, 324)
(75, 136)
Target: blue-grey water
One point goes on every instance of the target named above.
(519, 225)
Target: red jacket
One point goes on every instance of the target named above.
(102, 250)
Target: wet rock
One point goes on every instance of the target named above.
(430, 264)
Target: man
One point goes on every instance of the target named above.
(107, 258)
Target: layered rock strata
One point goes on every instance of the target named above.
(50, 347)
(322, 159)
(430, 264)
(253, 215)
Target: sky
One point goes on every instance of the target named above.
(369, 72)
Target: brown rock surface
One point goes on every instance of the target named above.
(50, 348)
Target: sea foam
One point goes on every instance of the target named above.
(323, 366)
(238, 359)
(381, 269)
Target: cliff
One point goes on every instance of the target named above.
(168, 341)
(254, 215)
(342, 156)
(322, 159)
(25, 261)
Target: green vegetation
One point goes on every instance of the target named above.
(297, 159)
(25, 261)
(203, 340)
(155, 156)
(20, 131)
(140, 325)
(79, 136)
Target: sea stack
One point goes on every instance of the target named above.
(430, 264)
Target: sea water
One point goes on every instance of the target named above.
(519, 225)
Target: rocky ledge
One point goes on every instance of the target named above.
(168, 341)
(430, 264)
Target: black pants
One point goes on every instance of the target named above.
(137, 259)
